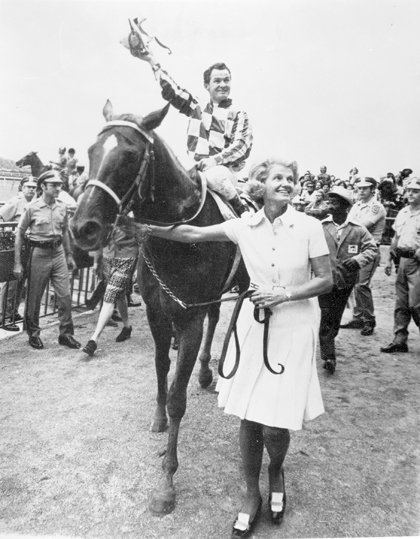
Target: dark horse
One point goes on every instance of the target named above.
(131, 165)
(37, 166)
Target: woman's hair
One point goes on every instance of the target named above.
(259, 173)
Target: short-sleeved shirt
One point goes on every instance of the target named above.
(370, 214)
(407, 227)
(14, 208)
(278, 253)
(45, 222)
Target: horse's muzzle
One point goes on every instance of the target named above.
(87, 234)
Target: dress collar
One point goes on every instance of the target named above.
(289, 217)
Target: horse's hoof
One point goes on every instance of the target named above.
(205, 378)
(159, 424)
(162, 502)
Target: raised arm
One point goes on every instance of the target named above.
(177, 96)
(182, 233)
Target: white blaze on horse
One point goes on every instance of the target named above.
(132, 169)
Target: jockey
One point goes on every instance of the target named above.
(219, 136)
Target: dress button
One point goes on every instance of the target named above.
(272, 265)
(273, 248)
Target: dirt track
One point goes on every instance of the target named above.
(77, 457)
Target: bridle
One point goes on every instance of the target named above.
(125, 204)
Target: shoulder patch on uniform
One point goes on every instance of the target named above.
(375, 208)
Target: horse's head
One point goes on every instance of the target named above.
(26, 159)
(118, 169)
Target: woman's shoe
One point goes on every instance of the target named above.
(329, 364)
(277, 504)
(90, 348)
(243, 525)
(125, 334)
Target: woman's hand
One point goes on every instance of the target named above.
(142, 232)
(266, 297)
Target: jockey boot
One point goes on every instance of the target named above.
(238, 206)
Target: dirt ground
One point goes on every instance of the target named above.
(77, 458)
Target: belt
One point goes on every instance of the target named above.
(52, 244)
(405, 253)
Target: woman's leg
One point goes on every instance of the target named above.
(251, 446)
(277, 443)
(123, 309)
(104, 315)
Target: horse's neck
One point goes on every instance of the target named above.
(176, 194)
(36, 166)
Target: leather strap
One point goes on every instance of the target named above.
(233, 329)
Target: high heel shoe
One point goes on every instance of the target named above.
(243, 526)
(277, 504)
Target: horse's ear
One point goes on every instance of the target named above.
(108, 110)
(154, 119)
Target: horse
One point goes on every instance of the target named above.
(132, 168)
(32, 159)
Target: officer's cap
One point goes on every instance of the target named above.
(367, 182)
(414, 183)
(30, 183)
(50, 176)
(341, 192)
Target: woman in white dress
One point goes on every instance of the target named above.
(287, 258)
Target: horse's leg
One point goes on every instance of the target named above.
(160, 327)
(190, 334)
(205, 376)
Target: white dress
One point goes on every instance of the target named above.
(276, 254)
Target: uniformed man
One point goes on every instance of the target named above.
(371, 214)
(14, 207)
(405, 246)
(50, 258)
(11, 212)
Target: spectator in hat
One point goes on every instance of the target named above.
(405, 248)
(370, 213)
(45, 221)
(351, 248)
(14, 208)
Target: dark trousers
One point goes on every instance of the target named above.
(332, 307)
(364, 309)
(407, 302)
(46, 264)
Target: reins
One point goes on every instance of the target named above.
(232, 328)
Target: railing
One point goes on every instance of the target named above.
(82, 282)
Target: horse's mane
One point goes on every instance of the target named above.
(137, 120)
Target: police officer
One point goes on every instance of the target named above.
(14, 207)
(405, 246)
(370, 213)
(50, 258)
